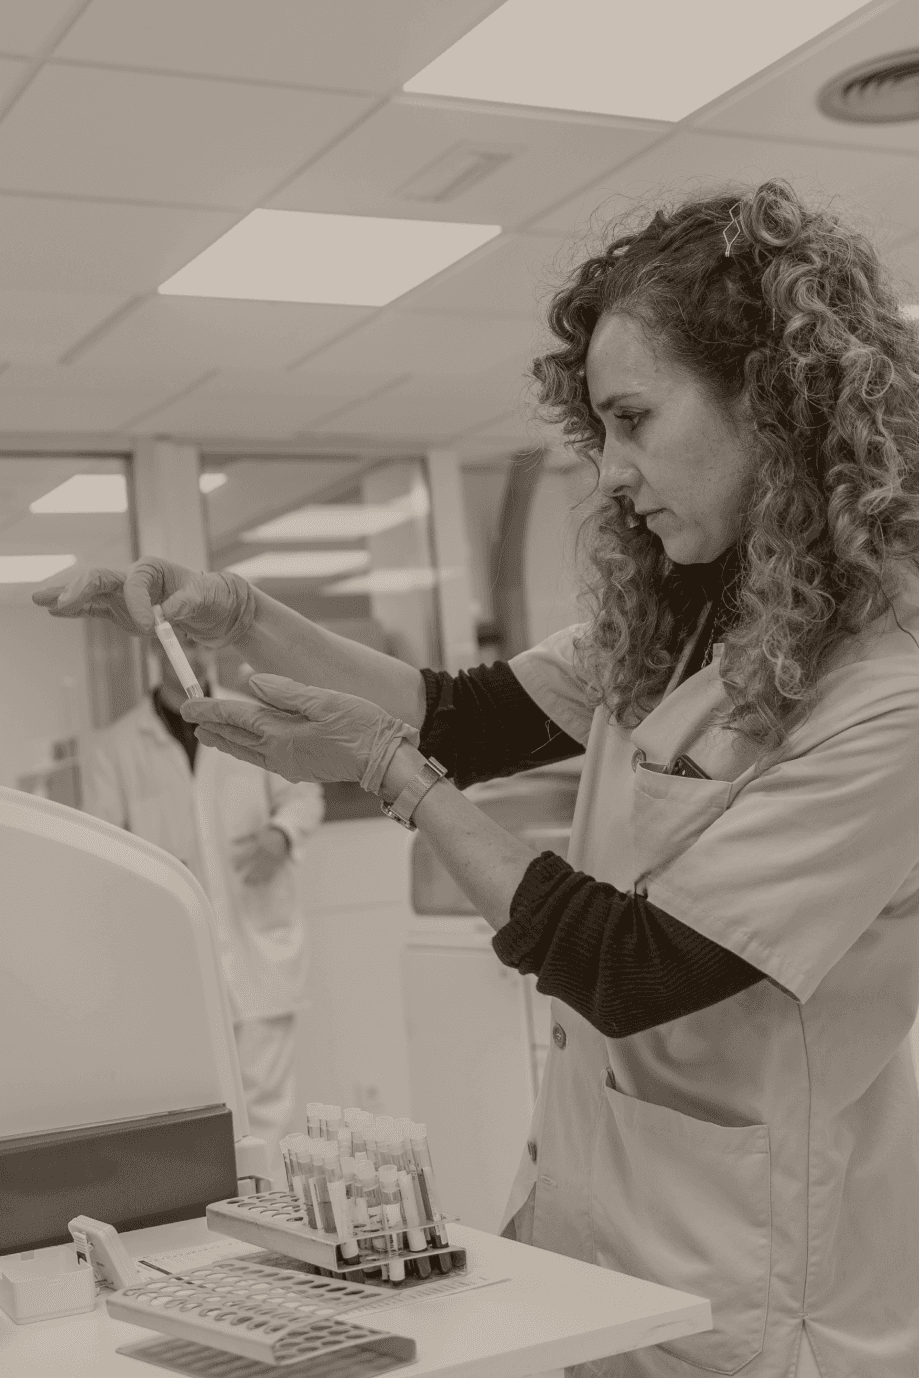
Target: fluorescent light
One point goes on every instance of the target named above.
(404, 580)
(209, 482)
(658, 60)
(341, 521)
(32, 569)
(86, 493)
(344, 260)
(301, 564)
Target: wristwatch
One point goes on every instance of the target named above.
(405, 803)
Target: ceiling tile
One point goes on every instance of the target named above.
(87, 246)
(38, 327)
(512, 276)
(311, 387)
(25, 25)
(362, 174)
(207, 334)
(350, 45)
(158, 383)
(11, 69)
(90, 132)
(229, 405)
(880, 189)
(432, 408)
(427, 344)
(69, 411)
(783, 104)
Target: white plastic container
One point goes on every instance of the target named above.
(44, 1283)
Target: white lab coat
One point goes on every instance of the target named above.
(136, 775)
(762, 1152)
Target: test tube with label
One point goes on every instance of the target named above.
(319, 1187)
(177, 657)
(401, 1148)
(338, 1199)
(372, 1205)
(314, 1119)
(392, 1214)
(417, 1241)
(422, 1155)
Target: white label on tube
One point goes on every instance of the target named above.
(177, 658)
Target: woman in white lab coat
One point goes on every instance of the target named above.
(729, 1107)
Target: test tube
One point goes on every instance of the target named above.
(301, 1166)
(370, 1141)
(422, 1155)
(372, 1206)
(417, 1240)
(331, 1122)
(319, 1187)
(314, 1119)
(345, 1141)
(392, 1212)
(284, 1146)
(177, 657)
(401, 1151)
(338, 1199)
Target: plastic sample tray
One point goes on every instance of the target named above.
(271, 1315)
(274, 1220)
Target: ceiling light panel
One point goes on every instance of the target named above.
(660, 60)
(209, 483)
(32, 569)
(300, 564)
(341, 260)
(85, 493)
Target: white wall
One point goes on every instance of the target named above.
(43, 693)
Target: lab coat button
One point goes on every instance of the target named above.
(637, 756)
(559, 1037)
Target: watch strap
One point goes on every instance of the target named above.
(407, 801)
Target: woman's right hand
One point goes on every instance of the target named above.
(213, 609)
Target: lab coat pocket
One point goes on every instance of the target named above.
(687, 1204)
(669, 812)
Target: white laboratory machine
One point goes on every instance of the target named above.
(122, 1098)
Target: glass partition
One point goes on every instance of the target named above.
(343, 541)
(59, 679)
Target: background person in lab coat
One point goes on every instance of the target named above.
(238, 829)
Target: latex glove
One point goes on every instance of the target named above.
(258, 857)
(213, 609)
(303, 733)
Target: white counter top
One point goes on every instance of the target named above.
(551, 1312)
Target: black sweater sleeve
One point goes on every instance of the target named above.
(616, 959)
(482, 723)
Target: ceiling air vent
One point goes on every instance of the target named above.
(881, 91)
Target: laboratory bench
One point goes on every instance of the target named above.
(540, 1313)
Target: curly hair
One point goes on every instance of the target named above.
(802, 322)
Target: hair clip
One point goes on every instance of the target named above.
(729, 243)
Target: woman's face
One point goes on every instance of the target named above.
(668, 449)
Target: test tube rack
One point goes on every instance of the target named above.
(275, 1220)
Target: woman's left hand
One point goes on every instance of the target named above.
(303, 733)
